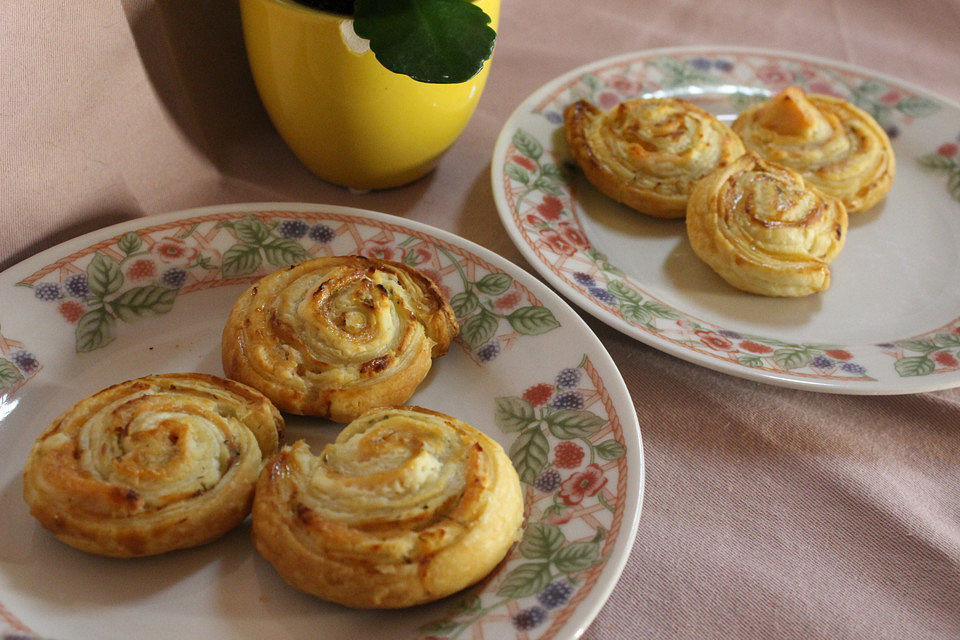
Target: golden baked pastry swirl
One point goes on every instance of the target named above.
(836, 146)
(152, 464)
(648, 153)
(764, 230)
(406, 506)
(336, 336)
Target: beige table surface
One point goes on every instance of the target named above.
(769, 513)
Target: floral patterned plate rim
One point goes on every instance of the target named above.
(151, 295)
(889, 324)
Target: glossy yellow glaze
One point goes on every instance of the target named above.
(346, 117)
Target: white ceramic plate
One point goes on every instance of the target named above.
(890, 323)
(152, 295)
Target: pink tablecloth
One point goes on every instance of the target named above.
(769, 513)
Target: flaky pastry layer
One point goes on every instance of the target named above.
(336, 336)
(648, 153)
(153, 464)
(406, 506)
(837, 147)
(764, 230)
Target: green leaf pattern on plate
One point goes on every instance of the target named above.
(568, 439)
(570, 456)
(140, 274)
(544, 207)
(258, 242)
(551, 225)
(937, 352)
(889, 105)
(486, 303)
(946, 159)
(17, 365)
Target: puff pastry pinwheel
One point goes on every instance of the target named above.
(150, 465)
(406, 506)
(335, 336)
(648, 152)
(764, 230)
(837, 147)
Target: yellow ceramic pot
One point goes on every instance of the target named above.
(348, 119)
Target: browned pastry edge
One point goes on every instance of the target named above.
(576, 117)
(71, 503)
(458, 543)
(343, 404)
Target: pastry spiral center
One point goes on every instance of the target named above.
(836, 146)
(770, 217)
(827, 142)
(390, 473)
(343, 315)
(163, 448)
(663, 141)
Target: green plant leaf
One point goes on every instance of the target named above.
(881, 113)
(513, 414)
(873, 86)
(604, 265)
(550, 170)
(470, 603)
(947, 339)
(740, 101)
(661, 310)
(917, 107)
(541, 540)
(440, 627)
(792, 358)
(516, 173)
(529, 454)
(525, 580)
(103, 275)
(635, 313)
(678, 73)
(773, 342)
(493, 284)
(921, 346)
(592, 82)
(532, 321)
(936, 161)
(250, 230)
(437, 41)
(548, 186)
(624, 293)
(865, 102)
(95, 330)
(750, 361)
(953, 184)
